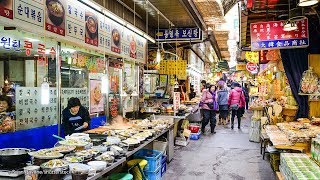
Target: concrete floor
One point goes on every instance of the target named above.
(228, 154)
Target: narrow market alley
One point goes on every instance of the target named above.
(228, 154)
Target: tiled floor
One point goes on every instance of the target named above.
(228, 154)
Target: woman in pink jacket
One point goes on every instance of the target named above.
(236, 101)
(209, 107)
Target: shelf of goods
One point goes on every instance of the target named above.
(292, 135)
(298, 166)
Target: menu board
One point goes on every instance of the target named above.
(96, 97)
(72, 21)
(75, 19)
(174, 67)
(55, 16)
(116, 36)
(29, 13)
(30, 113)
(91, 28)
(81, 93)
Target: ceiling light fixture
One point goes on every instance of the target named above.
(158, 57)
(305, 3)
(114, 17)
(290, 26)
(92, 4)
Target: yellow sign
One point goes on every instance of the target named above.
(174, 67)
(241, 67)
(252, 56)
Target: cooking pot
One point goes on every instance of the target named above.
(10, 157)
(154, 110)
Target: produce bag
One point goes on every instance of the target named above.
(309, 82)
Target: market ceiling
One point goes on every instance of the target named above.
(261, 10)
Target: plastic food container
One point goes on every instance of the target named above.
(98, 165)
(79, 171)
(194, 128)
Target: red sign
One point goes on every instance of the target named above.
(252, 67)
(270, 35)
(6, 9)
(55, 29)
(176, 101)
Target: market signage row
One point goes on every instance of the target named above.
(75, 22)
(270, 35)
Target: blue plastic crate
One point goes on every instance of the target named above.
(153, 175)
(195, 136)
(152, 156)
(163, 165)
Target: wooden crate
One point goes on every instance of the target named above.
(275, 161)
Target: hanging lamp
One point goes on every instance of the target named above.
(45, 92)
(290, 25)
(158, 57)
(304, 3)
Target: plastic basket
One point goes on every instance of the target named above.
(195, 136)
(153, 175)
(152, 156)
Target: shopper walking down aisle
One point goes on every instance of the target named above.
(236, 101)
(209, 107)
(223, 103)
(246, 95)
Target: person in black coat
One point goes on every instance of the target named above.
(246, 95)
(76, 118)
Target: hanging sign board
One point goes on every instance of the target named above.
(241, 67)
(178, 34)
(270, 35)
(176, 101)
(252, 67)
(252, 56)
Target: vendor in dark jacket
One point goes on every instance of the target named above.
(75, 117)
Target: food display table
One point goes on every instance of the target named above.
(168, 133)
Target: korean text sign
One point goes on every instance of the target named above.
(270, 35)
(179, 34)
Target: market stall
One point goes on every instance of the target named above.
(102, 149)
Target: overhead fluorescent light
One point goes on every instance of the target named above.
(135, 29)
(32, 40)
(149, 38)
(92, 4)
(290, 26)
(114, 17)
(68, 50)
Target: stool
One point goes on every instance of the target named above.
(120, 176)
(136, 167)
(264, 141)
(269, 150)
